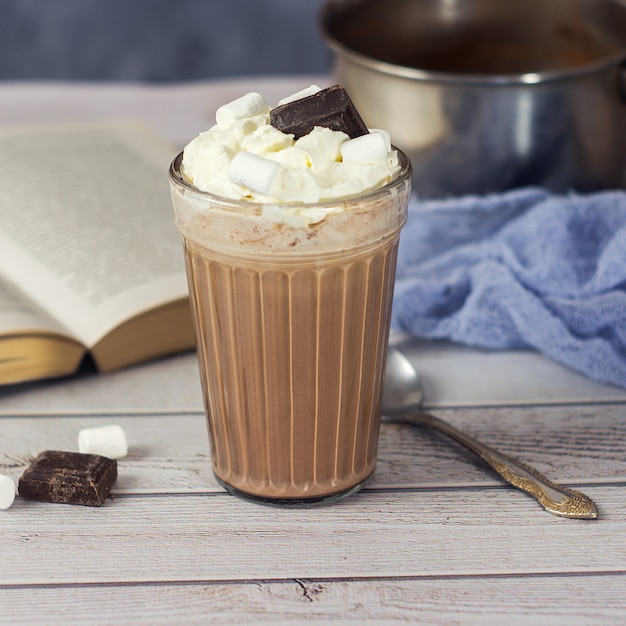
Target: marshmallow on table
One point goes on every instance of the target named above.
(108, 441)
(7, 491)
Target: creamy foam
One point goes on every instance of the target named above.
(255, 229)
(321, 166)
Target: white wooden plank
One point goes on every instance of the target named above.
(373, 534)
(453, 376)
(545, 600)
(170, 453)
(459, 375)
(168, 384)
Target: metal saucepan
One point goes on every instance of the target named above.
(487, 95)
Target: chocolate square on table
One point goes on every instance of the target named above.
(68, 478)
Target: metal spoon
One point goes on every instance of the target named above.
(402, 398)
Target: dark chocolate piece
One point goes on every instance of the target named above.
(331, 108)
(68, 477)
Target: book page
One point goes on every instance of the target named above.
(19, 316)
(86, 223)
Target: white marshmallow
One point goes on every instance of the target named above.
(251, 104)
(254, 172)
(109, 441)
(370, 148)
(385, 134)
(7, 492)
(303, 93)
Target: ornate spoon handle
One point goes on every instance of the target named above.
(554, 498)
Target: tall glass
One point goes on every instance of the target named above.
(292, 324)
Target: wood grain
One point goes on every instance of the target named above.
(219, 537)
(596, 599)
(169, 453)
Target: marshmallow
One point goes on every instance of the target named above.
(370, 148)
(385, 134)
(7, 492)
(108, 441)
(247, 106)
(303, 93)
(254, 172)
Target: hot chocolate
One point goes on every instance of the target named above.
(292, 305)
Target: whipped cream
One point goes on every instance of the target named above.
(243, 157)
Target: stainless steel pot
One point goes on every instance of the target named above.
(487, 95)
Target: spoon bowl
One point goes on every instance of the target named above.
(402, 398)
(403, 389)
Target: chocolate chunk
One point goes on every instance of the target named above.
(68, 477)
(331, 107)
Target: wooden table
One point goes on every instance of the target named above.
(435, 538)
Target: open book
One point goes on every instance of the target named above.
(90, 258)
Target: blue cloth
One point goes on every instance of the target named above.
(521, 269)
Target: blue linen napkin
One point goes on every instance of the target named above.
(521, 269)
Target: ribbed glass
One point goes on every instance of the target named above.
(292, 324)
(291, 361)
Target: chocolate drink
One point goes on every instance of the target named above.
(292, 331)
(293, 382)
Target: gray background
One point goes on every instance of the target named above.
(159, 40)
